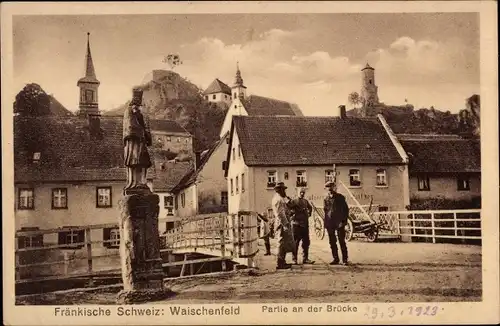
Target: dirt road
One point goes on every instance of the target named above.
(380, 272)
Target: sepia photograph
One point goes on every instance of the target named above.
(185, 163)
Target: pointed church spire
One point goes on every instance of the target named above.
(88, 85)
(238, 80)
(90, 76)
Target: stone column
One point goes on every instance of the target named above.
(141, 263)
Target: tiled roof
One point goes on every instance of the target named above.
(259, 105)
(168, 177)
(314, 141)
(67, 152)
(166, 125)
(192, 174)
(443, 155)
(217, 87)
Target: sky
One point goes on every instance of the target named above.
(314, 60)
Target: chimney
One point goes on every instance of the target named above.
(342, 112)
(95, 126)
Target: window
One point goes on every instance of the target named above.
(301, 179)
(26, 198)
(463, 183)
(231, 181)
(423, 183)
(170, 226)
(168, 138)
(214, 97)
(354, 178)
(272, 178)
(29, 241)
(187, 140)
(234, 95)
(206, 97)
(381, 178)
(36, 157)
(234, 153)
(328, 176)
(74, 239)
(237, 184)
(223, 198)
(243, 182)
(285, 175)
(178, 139)
(383, 208)
(59, 198)
(89, 95)
(168, 201)
(168, 204)
(103, 196)
(176, 202)
(239, 150)
(112, 237)
(183, 199)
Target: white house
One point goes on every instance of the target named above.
(300, 151)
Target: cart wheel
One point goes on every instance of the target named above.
(319, 229)
(349, 231)
(372, 236)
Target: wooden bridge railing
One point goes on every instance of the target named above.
(45, 255)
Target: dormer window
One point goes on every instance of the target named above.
(36, 157)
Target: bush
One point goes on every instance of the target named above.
(444, 203)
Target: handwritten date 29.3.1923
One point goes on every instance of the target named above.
(394, 312)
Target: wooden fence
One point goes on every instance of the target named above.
(456, 226)
(41, 256)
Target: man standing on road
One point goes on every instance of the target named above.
(282, 214)
(336, 214)
(300, 226)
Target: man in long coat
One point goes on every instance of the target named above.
(282, 214)
(336, 214)
(300, 226)
(136, 138)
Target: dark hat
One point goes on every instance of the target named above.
(280, 185)
(328, 184)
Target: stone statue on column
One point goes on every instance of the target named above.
(141, 263)
(136, 138)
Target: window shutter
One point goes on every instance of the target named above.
(20, 242)
(81, 236)
(224, 165)
(106, 235)
(61, 238)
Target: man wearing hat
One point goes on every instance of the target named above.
(300, 226)
(336, 214)
(282, 214)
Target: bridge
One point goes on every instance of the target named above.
(212, 243)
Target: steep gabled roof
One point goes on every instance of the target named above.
(168, 177)
(193, 173)
(278, 141)
(67, 150)
(443, 154)
(259, 105)
(167, 126)
(217, 87)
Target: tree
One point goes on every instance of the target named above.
(355, 99)
(32, 101)
(173, 60)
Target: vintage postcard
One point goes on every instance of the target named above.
(168, 163)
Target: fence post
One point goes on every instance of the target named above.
(204, 234)
(89, 255)
(455, 223)
(66, 263)
(223, 240)
(433, 230)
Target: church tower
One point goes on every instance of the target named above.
(368, 88)
(88, 86)
(238, 89)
